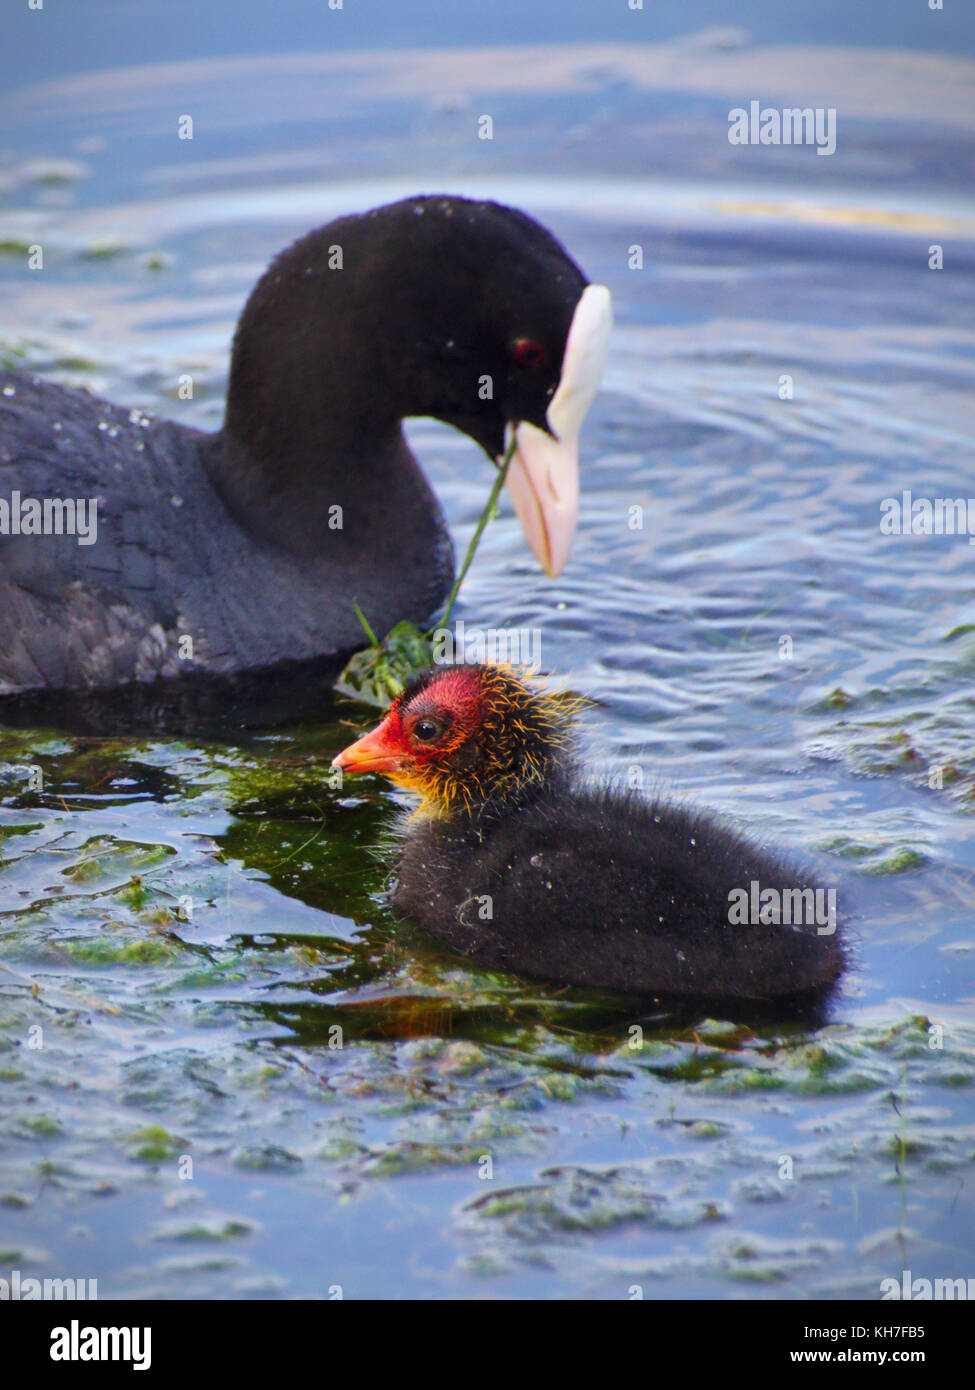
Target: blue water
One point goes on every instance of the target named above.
(759, 645)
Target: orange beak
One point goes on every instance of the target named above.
(378, 751)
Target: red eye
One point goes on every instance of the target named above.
(528, 353)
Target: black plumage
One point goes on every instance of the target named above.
(542, 875)
(253, 542)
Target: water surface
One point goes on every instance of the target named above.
(189, 923)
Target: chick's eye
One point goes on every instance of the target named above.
(528, 352)
(426, 730)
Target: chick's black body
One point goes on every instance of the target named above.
(600, 888)
(514, 862)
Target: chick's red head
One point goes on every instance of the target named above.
(464, 736)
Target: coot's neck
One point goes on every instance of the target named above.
(312, 433)
(316, 482)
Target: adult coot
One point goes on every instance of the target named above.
(234, 552)
(514, 862)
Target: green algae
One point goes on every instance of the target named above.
(266, 1158)
(75, 362)
(901, 861)
(105, 249)
(569, 1200)
(377, 674)
(41, 1126)
(106, 951)
(410, 1157)
(153, 1144)
(215, 1229)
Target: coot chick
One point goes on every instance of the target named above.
(514, 862)
(234, 552)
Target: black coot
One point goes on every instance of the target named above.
(229, 554)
